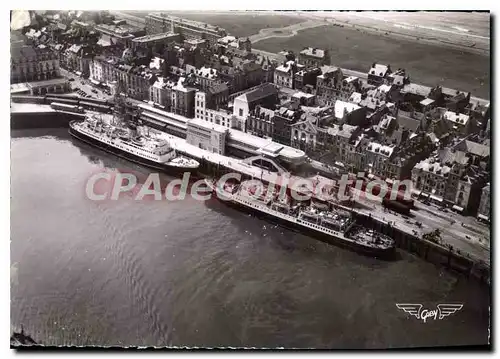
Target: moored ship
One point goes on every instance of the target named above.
(320, 220)
(132, 145)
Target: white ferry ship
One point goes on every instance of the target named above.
(321, 220)
(129, 144)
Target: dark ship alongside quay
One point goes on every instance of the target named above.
(319, 220)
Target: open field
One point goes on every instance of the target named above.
(239, 24)
(465, 30)
(427, 63)
(287, 31)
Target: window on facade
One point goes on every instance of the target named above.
(241, 112)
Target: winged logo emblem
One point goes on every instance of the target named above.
(448, 309)
(412, 309)
(442, 310)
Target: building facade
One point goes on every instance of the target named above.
(284, 74)
(283, 120)
(30, 63)
(159, 23)
(378, 74)
(207, 136)
(183, 99)
(78, 58)
(312, 57)
(260, 122)
(484, 211)
(161, 93)
(332, 85)
(204, 111)
(448, 177)
(155, 41)
(119, 33)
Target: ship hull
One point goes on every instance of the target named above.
(163, 167)
(297, 227)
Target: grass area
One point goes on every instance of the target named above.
(426, 63)
(236, 24)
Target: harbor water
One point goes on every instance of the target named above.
(191, 273)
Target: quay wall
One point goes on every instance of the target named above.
(429, 251)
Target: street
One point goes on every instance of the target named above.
(85, 85)
(452, 233)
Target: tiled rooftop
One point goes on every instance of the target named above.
(198, 24)
(154, 37)
(378, 70)
(314, 52)
(459, 118)
(341, 106)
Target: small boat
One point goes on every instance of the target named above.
(21, 339)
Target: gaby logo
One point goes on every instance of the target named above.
(443, 310)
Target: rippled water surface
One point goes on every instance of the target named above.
(191, 273)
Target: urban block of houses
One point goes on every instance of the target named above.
(312, 57)
(450, 177)
(378, 74)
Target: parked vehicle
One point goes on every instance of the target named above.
(71, 79)
(396, 206)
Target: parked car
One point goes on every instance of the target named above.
(94, 90)
(71, 79)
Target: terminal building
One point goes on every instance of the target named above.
(235, 142)
(207, 136)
